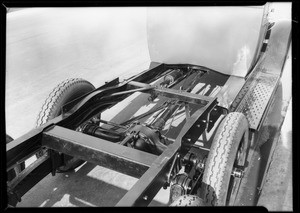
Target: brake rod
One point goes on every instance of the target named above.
(113, 124)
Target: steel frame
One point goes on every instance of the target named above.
(155, 177)
(98, 151)
(57, 135)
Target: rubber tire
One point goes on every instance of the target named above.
(11, 174)
(220, 161)
(63, 93)
(188, 200)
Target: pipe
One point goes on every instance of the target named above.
(94, 130)
(160, 122)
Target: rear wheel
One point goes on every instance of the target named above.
(63, 93)
(226, 161)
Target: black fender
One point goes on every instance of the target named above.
(277, 46)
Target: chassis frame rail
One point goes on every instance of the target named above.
(59, 136)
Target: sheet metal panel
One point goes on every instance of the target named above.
(224, 39)
(257, 98)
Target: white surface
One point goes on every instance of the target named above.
(45, 46)
(221, 38)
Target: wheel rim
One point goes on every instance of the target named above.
(239, 163)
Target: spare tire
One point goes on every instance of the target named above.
(63, 93)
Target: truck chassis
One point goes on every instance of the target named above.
(147, 150)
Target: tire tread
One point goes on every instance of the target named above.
(54, 97)
(225, 138)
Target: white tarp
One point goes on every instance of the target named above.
(224, 39)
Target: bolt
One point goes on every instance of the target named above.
(200, 166)
(145, 197)
(166, 185)
(238, 173)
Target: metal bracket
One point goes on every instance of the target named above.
(13, 197)
(238, 173)
(187, 111)
(54, 156)
(170, 172)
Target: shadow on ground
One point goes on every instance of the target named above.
(79, 188)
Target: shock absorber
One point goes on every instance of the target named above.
(172, 77)
(168, 80)
(160, 122)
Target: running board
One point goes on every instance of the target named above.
(255, 97)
